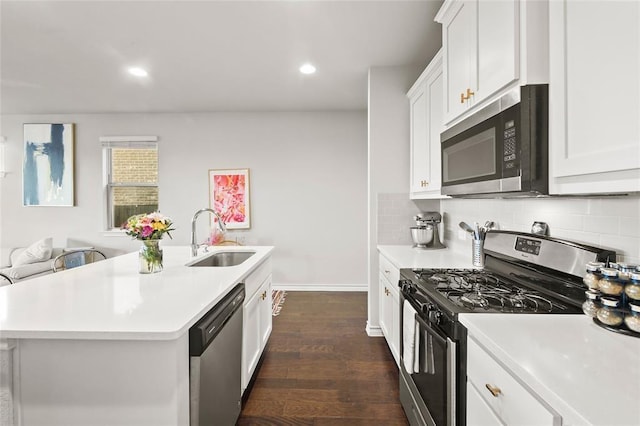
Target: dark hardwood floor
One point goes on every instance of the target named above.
(321, 368)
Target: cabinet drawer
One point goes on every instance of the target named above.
(253, 282)
(390, 272)
(513, 403)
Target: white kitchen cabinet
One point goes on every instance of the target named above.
(494, 393)
(478, 412)
(490, 47)
(257, 320)
(390, 306)
(426, 123)
(594, 97)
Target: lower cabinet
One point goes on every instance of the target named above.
(495, 396)
(257, 321)
(389, 298)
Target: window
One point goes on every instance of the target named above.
(130, 176)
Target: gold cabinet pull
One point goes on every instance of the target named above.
(495, 391)
(470, 93)
(424, 183)
(462, 98)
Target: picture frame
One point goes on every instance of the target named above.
(229, 196)
(48, 166)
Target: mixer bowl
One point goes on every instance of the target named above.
(422, 235)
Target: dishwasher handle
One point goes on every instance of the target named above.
(207, 328)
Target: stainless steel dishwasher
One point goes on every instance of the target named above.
(215, 349)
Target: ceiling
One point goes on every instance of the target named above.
(72, 56)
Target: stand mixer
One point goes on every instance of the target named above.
(425, 235)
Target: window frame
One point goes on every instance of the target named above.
(132, 142)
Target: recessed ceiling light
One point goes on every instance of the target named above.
(307, 69)
(138, 72)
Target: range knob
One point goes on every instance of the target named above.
(435, 317)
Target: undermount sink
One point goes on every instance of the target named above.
(224, 258)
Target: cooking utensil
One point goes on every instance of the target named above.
(466, 227)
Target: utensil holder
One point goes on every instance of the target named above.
(477, 255)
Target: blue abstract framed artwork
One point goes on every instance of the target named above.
(47, 178)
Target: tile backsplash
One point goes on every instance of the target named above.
(395, 217)
(608, 222)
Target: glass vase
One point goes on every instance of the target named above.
(150, 256)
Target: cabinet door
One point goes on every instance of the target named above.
(251, 338)
(478, 412)
(266, 318)
(394, 296)
(498, 50)
(594, 102)
(385, 312)
(419, 140)
(426, 126)
(459, 37)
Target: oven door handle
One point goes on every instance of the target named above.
(437, 334)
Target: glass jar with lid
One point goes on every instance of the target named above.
(625, 270)
(609, 283)
(592, 304)
(610, 312)
(632, 321)
(592, 275)
(632, 288)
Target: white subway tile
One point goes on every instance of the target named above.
(602, 224)
(625, 246)
(630, 226)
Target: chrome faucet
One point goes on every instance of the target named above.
(221, 226)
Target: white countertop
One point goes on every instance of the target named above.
(586, 373)
(410, 257)
(111, 300)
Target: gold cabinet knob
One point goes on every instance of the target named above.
(469, 93)
(495, 391)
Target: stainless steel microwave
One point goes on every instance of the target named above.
(500, 151)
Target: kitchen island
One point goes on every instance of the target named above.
(104, 344)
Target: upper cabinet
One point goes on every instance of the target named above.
(425, 106)
(594, 97)
(490, 47)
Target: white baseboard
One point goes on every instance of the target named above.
(320, 287)
(373, 331)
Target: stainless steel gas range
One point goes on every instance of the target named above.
(523, 273)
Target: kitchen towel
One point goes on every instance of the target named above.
(409, 338)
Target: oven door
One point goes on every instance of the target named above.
(434, 375)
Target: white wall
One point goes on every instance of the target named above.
(608, 222)
(308, 185)
(388, 157)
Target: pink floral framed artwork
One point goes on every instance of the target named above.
(229, 196)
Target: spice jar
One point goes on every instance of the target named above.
(592, 275)
(625, 270)
(632, 289)
(610, 313)
(609, 283)
(592, 304)
(633, 321)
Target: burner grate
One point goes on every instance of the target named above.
(482, 290)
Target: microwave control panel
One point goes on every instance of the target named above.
(510, 151)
